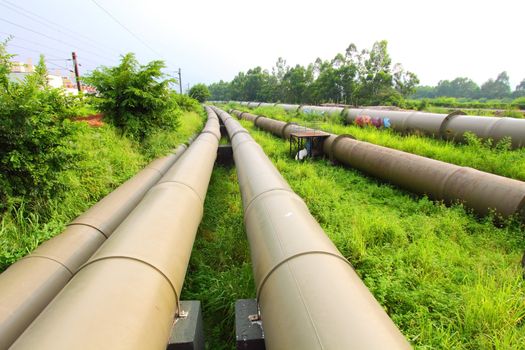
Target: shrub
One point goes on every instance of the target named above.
(199, 92)
(33, 133)
(519, 102)
(186, 103)
(135, 98)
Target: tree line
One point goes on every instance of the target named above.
(463, 87)
(365, 77)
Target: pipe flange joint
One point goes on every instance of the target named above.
(332, 146)
(284, 129)
(443, 127)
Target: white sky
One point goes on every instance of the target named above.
(213, 40)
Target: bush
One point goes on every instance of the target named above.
(186, 103)
(33, 132)
(135, 98)
(519, 102)
(199, 92)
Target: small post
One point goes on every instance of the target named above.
(77, 75)
(180, 82)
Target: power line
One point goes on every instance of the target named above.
(62, 67)
(37, 51)
(48, 47)
(129, 31)
(55, 39)
(51, 24)
(16, 37)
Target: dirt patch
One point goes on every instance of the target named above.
(94, 120)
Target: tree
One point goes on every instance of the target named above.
(498, 88)
(34, 133)
(459, 87)
(376, 76)
(404, 81)
(520, 89)
(199, 92)
(220, 91)
(135, 98)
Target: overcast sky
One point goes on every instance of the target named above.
(213, 40)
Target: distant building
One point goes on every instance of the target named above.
(20, 70)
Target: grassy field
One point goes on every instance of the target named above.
(220, 269)
(498, 159)
(447, 279)
(104, 161)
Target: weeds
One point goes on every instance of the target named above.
(475, 153)
(446, 278)
(105, 160)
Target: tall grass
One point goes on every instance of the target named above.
(220, 270)
(446, 278)
(484, 156)
(105, 160)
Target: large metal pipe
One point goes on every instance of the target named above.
(288, 107)
(309, 295)
(126, 295)
(28, 285)
(483, 192)
(322, 110)
(450, 126)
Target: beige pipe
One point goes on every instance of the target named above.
(28, 285)
(483, 192)
(126, 295)
(309, 295)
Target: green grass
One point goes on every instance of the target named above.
(104, 161)
(220, 270)
(447, 279)
(475, 154)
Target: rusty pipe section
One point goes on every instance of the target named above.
(483, 192)
(126, 296)
(28, 285)
(452, 126)
(309, 295)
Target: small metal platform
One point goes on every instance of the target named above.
(248, 327)
(187, 332)
(311, 140)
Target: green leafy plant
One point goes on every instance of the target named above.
(135, 98)
(199, 92)
(33, 133)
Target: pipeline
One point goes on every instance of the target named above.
(451, 127)
(126, 295)
(309, 295)
(28, 285)
(483, 192)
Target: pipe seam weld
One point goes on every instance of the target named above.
(155, 169)
(238, 132)
(48, 258)
(125, 257)
(201, 200)
(254, 199)
(291, 257)
(211, 132)
(493, 126)
(444, 182)
(234, 147)
(88, 225)
(255, 120)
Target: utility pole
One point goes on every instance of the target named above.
(77, 75)
(180, 83)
